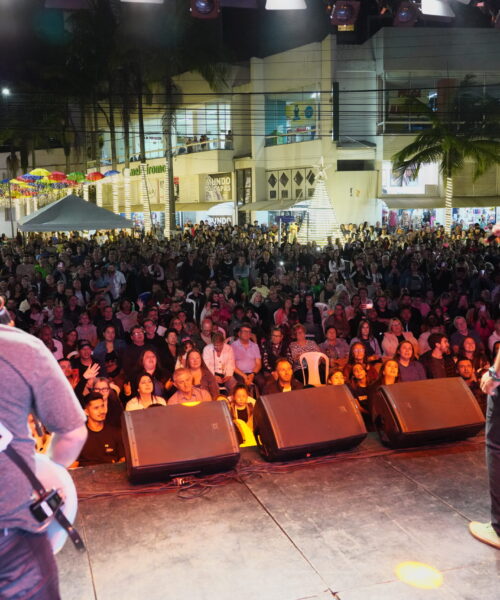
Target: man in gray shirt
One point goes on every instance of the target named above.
(32, 382)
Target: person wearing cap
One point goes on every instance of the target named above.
(83, 363)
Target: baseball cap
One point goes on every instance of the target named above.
(83, 343)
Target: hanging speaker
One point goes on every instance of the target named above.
(310, 421)
(420, 412)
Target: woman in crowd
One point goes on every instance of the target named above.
(410, 369)
(149, 363)
(394, 336)
(336, 378)
(127, 315)
(310, 316)
(144, 395)
(170, 356)
(354, 309)
(365, 336)
(469, 349)
(86, 329)
(359, 385)
(357, 356)
(202, 377)
(300, 346)
(70, 339)
(108, 344)
(383, 312)
(185, 348)
(281, 315)
(389, 374)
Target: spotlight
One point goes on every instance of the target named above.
(345, 13)
(285, 5)
(437, 10)
(406, 15)
(205, 9)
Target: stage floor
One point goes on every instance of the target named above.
(337, 529)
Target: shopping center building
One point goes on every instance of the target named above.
(251, 149)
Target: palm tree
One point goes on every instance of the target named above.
(187, 50)
(467, 128)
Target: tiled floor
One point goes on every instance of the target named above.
(335, 530)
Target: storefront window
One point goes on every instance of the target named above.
(291, 117)
(202, 128)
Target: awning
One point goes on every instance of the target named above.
(429, 202)
(479, 201)
(260, 205)
(271, 205)
(196, 206)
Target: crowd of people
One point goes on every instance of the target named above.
(224, 313)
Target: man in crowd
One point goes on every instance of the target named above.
(186, 392)
(219, 359)
(284, 380)
(104, 442)
(247, 358)
(437, 361)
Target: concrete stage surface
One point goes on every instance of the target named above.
(335, 529)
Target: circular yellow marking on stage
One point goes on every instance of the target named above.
(419, 575)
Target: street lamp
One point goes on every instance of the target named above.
(5, 91)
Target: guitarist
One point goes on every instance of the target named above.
(31, 382)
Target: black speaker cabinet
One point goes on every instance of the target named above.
(310, 421)
(171, 441)
(419, 412)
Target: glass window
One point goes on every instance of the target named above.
(291, 117)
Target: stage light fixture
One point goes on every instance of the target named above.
(344, 14)
(437, 10)
(406, 15)
(285, 5)
(205, 9)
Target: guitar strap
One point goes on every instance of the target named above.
(42, 493)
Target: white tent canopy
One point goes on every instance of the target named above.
(73, 213)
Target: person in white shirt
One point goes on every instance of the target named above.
(219, 358)
(116, 281)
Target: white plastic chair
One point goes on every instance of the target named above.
(313, 361)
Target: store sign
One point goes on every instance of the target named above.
(151, 170)
(219, 220)
(301, 113)
(218, 188)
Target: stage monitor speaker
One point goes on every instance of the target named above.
(418, 412)
(171, 441)
(310, 421)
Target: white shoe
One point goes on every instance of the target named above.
(484, 532)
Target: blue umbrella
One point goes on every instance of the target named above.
(111, 172)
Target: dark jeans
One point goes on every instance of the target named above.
(493, 455)
(28, 570)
